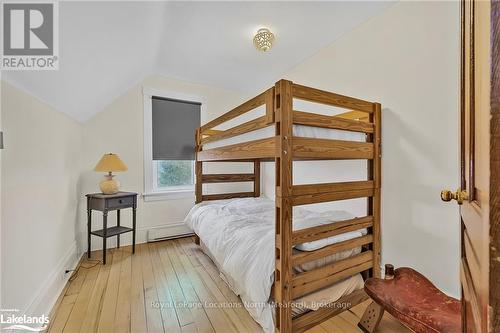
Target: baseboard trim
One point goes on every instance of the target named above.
(170, 231)
(144, 234)
(51, 288)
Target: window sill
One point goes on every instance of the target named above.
(168, 195)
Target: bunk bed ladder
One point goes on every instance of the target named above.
(283, 165)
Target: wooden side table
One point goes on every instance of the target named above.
(106, 203)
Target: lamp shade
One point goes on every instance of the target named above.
(109, 163)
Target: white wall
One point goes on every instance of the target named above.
(408, 59)
(40, 170)
(120, 129)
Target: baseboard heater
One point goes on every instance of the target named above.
(166, 232)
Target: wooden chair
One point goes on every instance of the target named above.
(412, 299)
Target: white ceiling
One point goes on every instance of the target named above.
(107, 47)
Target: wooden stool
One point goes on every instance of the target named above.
(412, 299)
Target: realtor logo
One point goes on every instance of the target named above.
(30, 36)
(11, 320)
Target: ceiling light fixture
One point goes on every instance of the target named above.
(263, 39)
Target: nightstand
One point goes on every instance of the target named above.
(106, 203)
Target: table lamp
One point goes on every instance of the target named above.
(109, 163)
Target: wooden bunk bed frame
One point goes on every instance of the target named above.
(283, 148)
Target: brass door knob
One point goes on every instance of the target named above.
(459, 195)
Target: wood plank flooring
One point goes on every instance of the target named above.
(136, 293)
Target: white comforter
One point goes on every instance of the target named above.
(239, 233)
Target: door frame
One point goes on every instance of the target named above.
(494, 292)
(494, 190)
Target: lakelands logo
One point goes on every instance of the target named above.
(11, 321)
(30, 36)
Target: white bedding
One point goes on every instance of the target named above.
(239, 234)
(298, 130)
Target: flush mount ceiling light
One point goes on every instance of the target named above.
(263, 39)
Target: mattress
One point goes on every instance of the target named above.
(238, 234)
(309, 302)
(298, 130)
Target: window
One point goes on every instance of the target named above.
(174, 174)
(170, 122)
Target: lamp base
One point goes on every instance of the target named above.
(109, 185)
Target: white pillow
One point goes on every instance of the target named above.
(320, 243)
(313, 219)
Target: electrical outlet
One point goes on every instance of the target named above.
(66, 274)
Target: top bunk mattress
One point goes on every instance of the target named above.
(298, 130)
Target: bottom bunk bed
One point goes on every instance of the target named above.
(238, 235)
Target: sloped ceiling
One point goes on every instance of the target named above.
(107, 47)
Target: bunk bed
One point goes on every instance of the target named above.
(285, 145)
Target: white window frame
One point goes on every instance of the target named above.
(151, 191)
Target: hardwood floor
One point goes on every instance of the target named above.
(132, 293)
